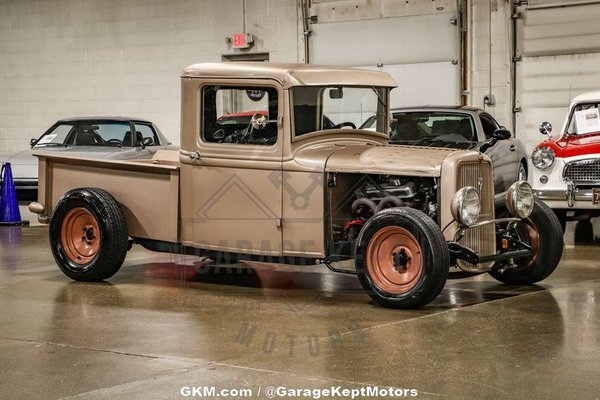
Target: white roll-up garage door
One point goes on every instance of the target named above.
(418, 45)
(558, 43)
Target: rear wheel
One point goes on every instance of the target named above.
(402, 258)
(543, 233)
(88, 235)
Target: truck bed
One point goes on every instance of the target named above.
(147, 190)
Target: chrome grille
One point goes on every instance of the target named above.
(481, 239)
(583, 172)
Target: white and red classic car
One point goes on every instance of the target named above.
(567, 166)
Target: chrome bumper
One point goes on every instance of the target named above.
(570, 195)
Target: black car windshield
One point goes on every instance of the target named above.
(585, 118)
(88, 133)
(318, 108)
(433, 128)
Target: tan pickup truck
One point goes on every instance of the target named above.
(274, 167)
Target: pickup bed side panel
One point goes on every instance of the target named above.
(148, 194)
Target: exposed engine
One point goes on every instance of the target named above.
(378, 192)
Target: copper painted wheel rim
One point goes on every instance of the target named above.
(80, 236)
(528, 229)
(394, 260)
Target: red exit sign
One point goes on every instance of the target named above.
(242, 40)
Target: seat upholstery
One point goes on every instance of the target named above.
(127, 138)
(406, 129)
(465, 129)
(447, 127)
(84, 138)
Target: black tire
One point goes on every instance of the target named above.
(100, 254)
(433, 263)
(547, 255)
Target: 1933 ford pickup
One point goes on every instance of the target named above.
(298, 184)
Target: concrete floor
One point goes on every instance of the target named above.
(159, 325)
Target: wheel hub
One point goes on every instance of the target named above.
(400, 259)
(89, 234)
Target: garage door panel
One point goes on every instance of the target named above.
(355, 10)
(560, 49)
(552, 81)
(565, 30)
(550, 3)
(546, 85)
(399, 40)
(440, 78)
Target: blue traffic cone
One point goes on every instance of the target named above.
(9, 206)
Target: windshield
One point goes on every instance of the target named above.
(585, 118)
(433, 128)
(88, 133)
(319, 108)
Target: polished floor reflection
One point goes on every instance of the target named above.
(167, 321)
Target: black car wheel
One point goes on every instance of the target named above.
(88, 235)
(402, 258)
(543, 233)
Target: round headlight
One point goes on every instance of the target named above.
(519, 199)
(543, 157)
(466, 206)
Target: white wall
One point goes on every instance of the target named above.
(62, 58)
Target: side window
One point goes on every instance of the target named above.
(227, 112)
(145, 131)
(489, 125)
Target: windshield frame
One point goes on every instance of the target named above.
(473, 118)
(75, 123)
(572, 115)
(383, 97)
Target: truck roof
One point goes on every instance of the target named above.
(289, 75)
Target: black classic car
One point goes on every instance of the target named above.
(462, 128)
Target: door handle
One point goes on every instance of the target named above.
(193, 155)
(513, 147)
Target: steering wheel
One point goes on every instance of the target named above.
(240, 136)
(342, 124)
(114, 141)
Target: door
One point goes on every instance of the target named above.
(503, 154)
(236, 191)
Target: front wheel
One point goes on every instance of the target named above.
(88, 235)
(542, 231)
(402, 258)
